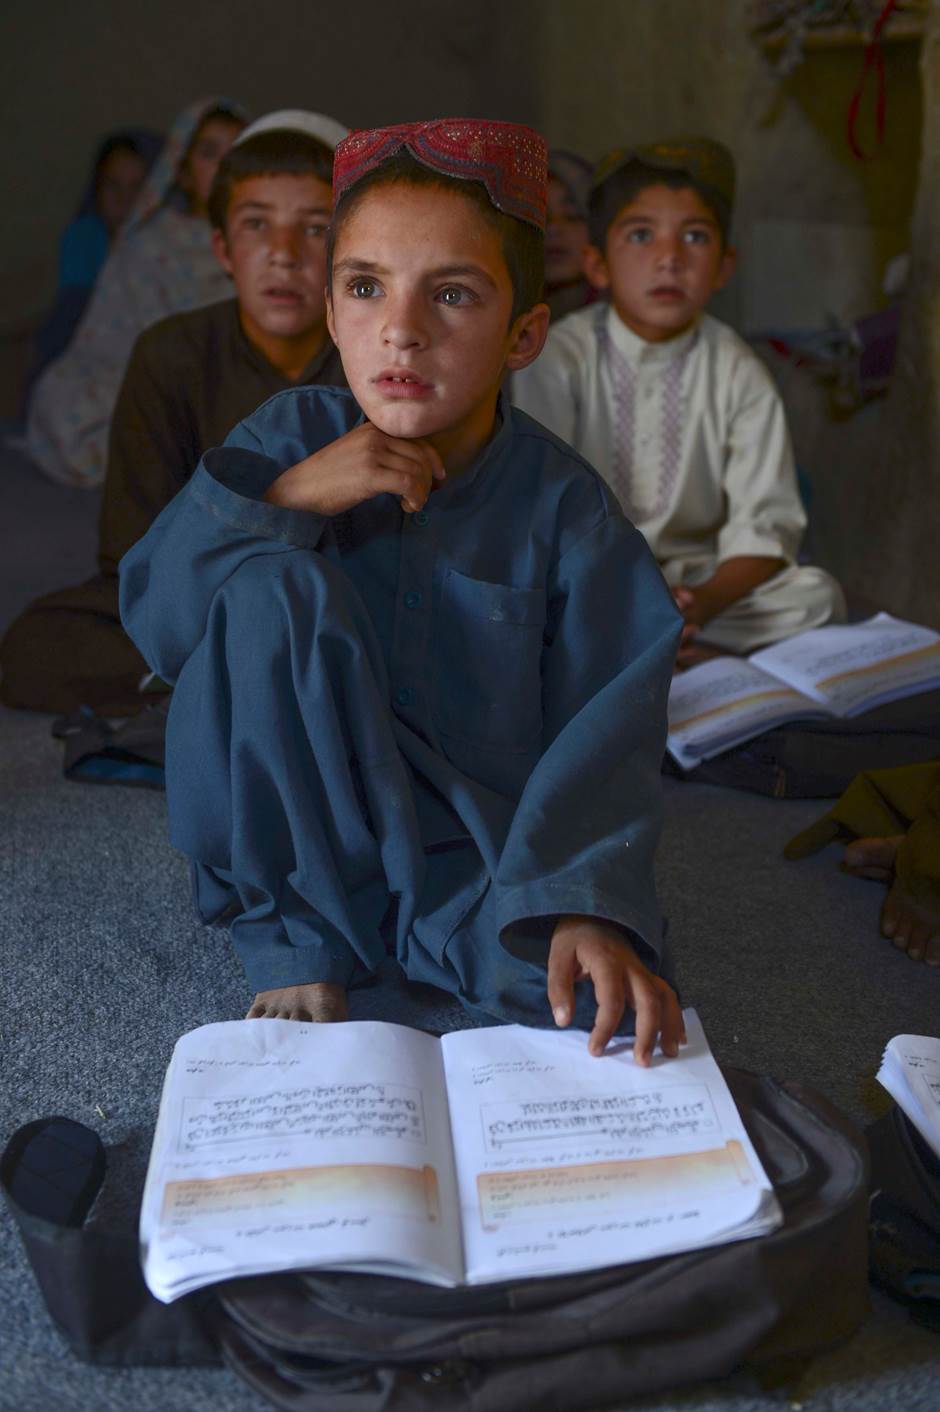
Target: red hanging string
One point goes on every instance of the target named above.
(874, 59)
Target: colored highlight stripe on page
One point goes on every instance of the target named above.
(884, 665)
(595, 1187)
(350, 1188)
(737, 707)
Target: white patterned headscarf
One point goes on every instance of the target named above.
(165, 173)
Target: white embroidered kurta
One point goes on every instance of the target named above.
(691, 437)
(690, 434)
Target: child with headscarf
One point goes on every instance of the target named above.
(162, 263)
(121, 164)
(566, 233)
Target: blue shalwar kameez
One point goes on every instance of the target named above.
(430, 733)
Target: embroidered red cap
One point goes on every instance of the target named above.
(509, 159)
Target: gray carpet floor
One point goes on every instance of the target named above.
(104, 967)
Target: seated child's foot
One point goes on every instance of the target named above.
(911, 927)
(872, 857)
(320, 1002)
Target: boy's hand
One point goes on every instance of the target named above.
(734, 578)
(356, 467)
(687, 601)
(587, 946)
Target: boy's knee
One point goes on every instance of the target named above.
(281, 617)
(821, 594)
(294, 592)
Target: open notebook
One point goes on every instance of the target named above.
(489, 1154)
(826, 672)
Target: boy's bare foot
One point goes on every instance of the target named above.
(872, 857)
(912, 928)
(320, 1002)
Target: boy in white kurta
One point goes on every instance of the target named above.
(675, 410)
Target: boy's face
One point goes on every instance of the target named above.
(664, 258)
(274, 247)
(119, 179)
(421, 298)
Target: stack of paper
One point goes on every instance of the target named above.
(910, 1071)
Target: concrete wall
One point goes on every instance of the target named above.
(72, 71)
(888, 511)
(814, 226)
(592, 73)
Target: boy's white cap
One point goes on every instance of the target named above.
(316, 125)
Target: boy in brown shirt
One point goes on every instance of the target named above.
(191, 378)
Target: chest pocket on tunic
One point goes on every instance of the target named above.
(488, 649)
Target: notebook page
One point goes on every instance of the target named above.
(283, 1145)
(723, 702)
(567, 1162)
(858, 666)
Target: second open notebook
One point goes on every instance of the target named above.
(489, 1154)
(826, 672)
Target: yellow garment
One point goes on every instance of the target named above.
(882, 804)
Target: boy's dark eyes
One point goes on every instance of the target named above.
(642, 235)
(315, 230)
(453, 295)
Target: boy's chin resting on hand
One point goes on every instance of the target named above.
(589, 948)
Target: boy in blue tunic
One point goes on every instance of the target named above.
(420, 659)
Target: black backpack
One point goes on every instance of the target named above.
(325, 1342)
(904, 1216)
(815, 759)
